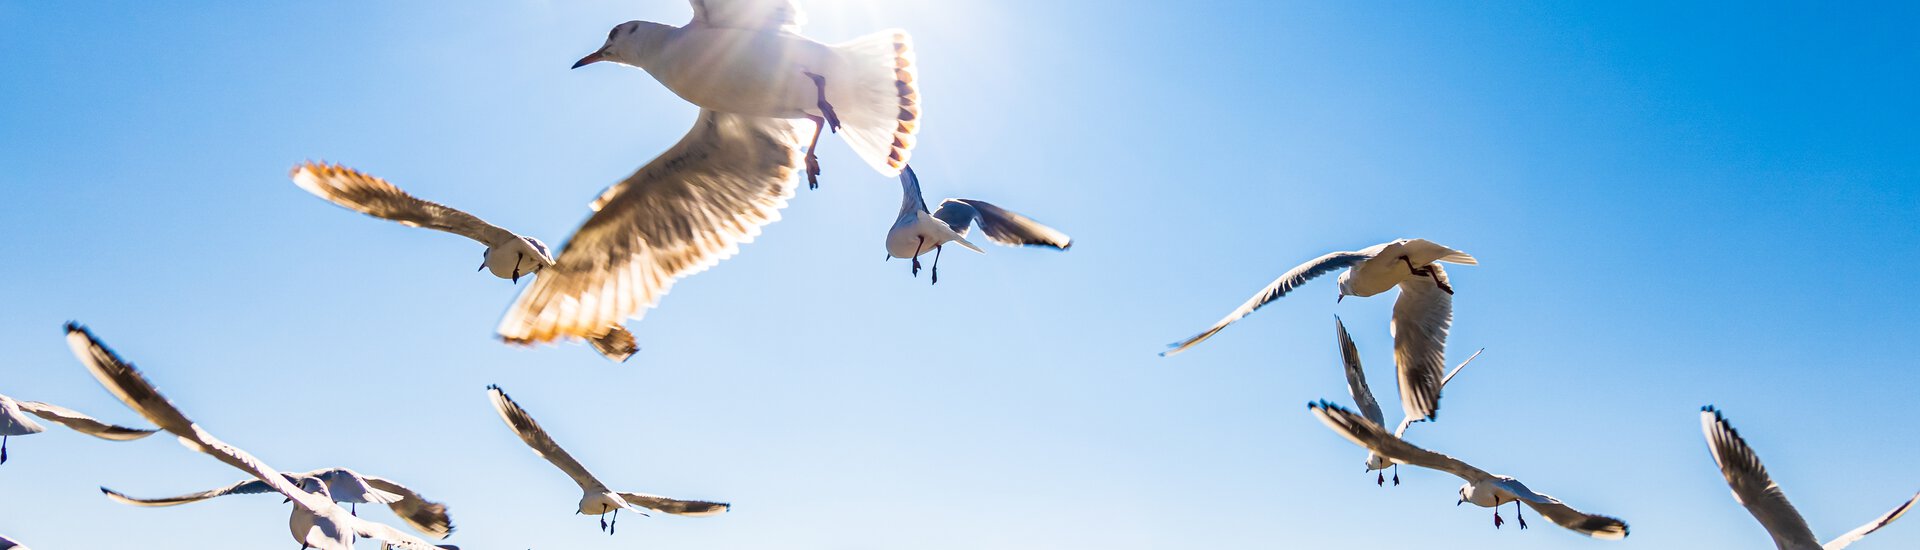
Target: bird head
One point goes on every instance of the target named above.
(628, 43)
(1346, 286)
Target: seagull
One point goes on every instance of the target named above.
(916, 230)
(1421, 315)
(1754, 489)
(677, 216)
(342, 484)
(1482, 489)
(14, 422)
(508, 255)
(1363, 398)
(596, 498)
(746, 57)
(9, 544)
(316, 522)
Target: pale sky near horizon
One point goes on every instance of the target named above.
(1674, 205)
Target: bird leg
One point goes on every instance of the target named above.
(517, 256)
(1429, 273)
(826, 109)
(936, 264)
(3, 449)
(1396, 475)
(353, 508)
(603, 520)
(1520, 514)
(813, 161)
(615, 523)
(917, 249)
(1497, 522)
(1380, 479)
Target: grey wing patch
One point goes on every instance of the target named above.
(674, 506)
(1288, 281)
(912, 199)
(248, 487)
(1592, 525)
(1356, 376)
(1422, 316)
(82, 423)
(542, 444)
(375, 197)
(1002, 226)
(1751, 485)
(423, 515)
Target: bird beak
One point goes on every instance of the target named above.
(1337, 299)
(1462, 501)
(590, 59)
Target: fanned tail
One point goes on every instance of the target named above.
(877, 96)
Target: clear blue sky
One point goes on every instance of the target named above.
(1674, 205)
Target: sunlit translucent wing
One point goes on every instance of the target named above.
(423, 515)
(1001, 225)
(82, 423)
(1421, 317)
(542, 444)
(375, 197)
(694, 508)
(1357, 377)
(1592, 525)
(757, 15)
(1279, 287)
(678, 215)
(1751, 485)
(617, 344)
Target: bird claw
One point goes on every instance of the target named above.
(1381, 480)
(1396, 480)
(1497, 522)
(916, 267)
(936, 275)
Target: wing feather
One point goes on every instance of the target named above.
(82, 423)
(1592, 525)
(1357, 377)
(1002, 226)
(1751, 485)
(536, 437)
(695, 508)
(1288, 281)
(1421, 317)
(375, 197)
(1372, 437)
(1862, 531)
(757, 15)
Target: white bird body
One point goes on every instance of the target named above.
(1385, 269)
(1363, 395)
(918, 232)
(13, 421)
(744, 72)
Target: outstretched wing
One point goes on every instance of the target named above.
(375, 197)
(1357, 377)
(1372, 437)
(423, 515)
(1001, 225)
(678, 215)
(754, 15)
(1596, 526)
(1407, 421)
(386, 534)
(675, 506)
(542, 444)
(82, 423)
(247, 487)
(1752, 487)
(1421, 317)
(617, 345)
(1844, 540)
(1279, 287)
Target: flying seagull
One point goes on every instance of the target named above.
(1754, 489)
(1363, 398)
(343, 485)
(1421, 315)
(746, 57)
(677, 216)
(916, 230)
(1482, 489)
(15, 422)
(315, 522)
(595, 498)
(508, 255)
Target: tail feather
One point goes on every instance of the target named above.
(878, 98)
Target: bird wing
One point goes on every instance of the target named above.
(617, 345)
(386, 534)
(1001, 225)
(1372, 437)
(1421, 317)
(754, 15)
(423, 515)
(1357, 377)
(9, 544)
(911, 199)
(1407, 421)
(375, 197)
(542, 444)
(1855, 535)
(678, 215)
(1596, 526)
(675, 506)
(1752, 487)
(82, 423)
(244, 487)
(1279, 287)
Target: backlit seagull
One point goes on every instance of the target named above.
(315, 522)
(595, 498)
(1482, 489)
(343, 485)
(15, 422)
(1754, 489)
(917, 230)
(1364, 400)
(746, 57)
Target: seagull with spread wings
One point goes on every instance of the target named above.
(1363, 398)
(1755, 490)
(595, 497)
(746, 57)
(918, 230)
(15, 422)
(1482, 489)
(316, 521)
(343, 485)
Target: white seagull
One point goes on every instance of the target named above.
(595, 498)
(15, 422)
(1754, 489)
(677, 216)
(917, 230)
(1421, 315)
(316, 521)
(343, 485)
(1363, 398)
(1482, 489)
(508, 255)
(9, 544)
(746, 57)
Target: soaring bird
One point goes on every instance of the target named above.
(746, 57)
(1754, 489)
(343, 485)
(1363, 398)
(14, 422)
(917, 230)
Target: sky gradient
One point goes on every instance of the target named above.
(1650, 189)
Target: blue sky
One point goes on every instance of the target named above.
(1674, 205)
